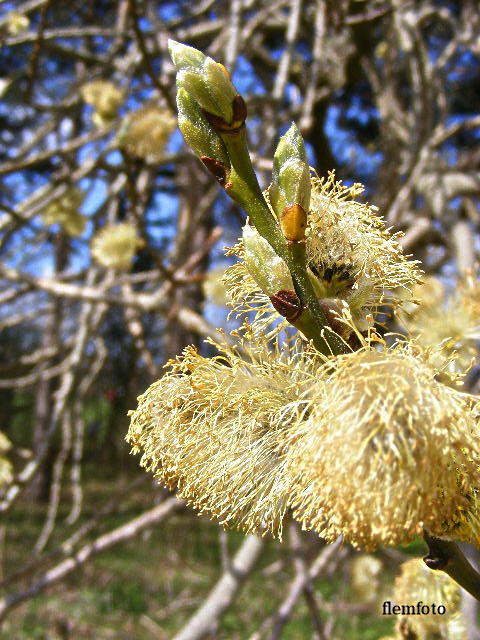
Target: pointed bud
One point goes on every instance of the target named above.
(205, 80)
(268, 270)
(201, 138)
(290, 189)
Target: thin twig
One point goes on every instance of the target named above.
(80, 557)
(225, 591)
(446, 556)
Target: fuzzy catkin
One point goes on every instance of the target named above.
(385, 450)
(351, 256)
(451, 321)
(367, 445)
(114, 246)
(145, 132)
(417, 583)
(216, 428)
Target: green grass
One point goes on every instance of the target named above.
(147, 587)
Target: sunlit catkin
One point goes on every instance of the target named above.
(144, 133)
(16, 23)
(6, 469)
(114, 246)
(453, 322)
(385, 450)
(350, 257)
(350, 253)
(216, 429)
(64, 211)
(365, 572)
(105, 98)
(417, 586)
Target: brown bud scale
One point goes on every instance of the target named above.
(435, 562)
(332, 308)
(216, 168)
(287, 304)
(239, 109)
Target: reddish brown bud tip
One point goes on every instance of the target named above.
(435, 563)
(216, 168)
(332, 308)
(287, 304)
(239, 109)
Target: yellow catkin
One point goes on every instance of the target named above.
(216, 428)
(64, 211)
(145, 132)
(213, 287)
(450, 321)
(417, 583)
(365, 572)
(114, 246)
(350, 254)
(366, 445)
(385, 450)
(6, 469)
(105, 98)
(16, 23)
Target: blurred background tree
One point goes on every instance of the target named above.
(112, 239)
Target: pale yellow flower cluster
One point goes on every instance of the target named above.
(349, 251)
(145, 132)
(105, 98)
(6, 469)
(114, 246)
(64, 211)
(365, 574)
(17, 23)
(367, 445)
(452, 321)
(417, 583)
(385, 450)
(214, 289)
(350, 256)
(216, 428)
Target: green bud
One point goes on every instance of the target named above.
(291, 173)
(197, 132)
(268, 270)
(184, 56)
(205, 80)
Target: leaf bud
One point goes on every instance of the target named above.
(268, 270)
(290, 189)
(200, 136)
(206, 81)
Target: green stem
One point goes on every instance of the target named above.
(243, 187)
(446, 556)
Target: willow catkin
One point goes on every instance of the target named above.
(384, 451)
(419, 584)
(216, 429)
(114, 246)
(351, 256)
